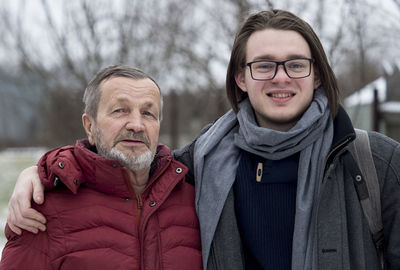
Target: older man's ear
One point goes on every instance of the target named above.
(87, 122)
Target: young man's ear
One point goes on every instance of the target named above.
(317, 80)
(239, 78)
(88, 125)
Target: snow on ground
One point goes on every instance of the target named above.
(12, 162)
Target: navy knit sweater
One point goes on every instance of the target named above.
(265, 210)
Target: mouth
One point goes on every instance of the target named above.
(132, 142)
(281, 95)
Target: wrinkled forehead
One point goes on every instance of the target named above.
(120, 84)
(125, 82)
(133, 90)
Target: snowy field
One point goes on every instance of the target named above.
(12, 161)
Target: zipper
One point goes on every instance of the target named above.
(144, 220)
(139, 206)
(323, 177)
(139, 202)
(330, 153)
(213, 258)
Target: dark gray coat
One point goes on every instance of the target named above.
(343, 237)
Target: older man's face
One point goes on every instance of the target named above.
(127, 124)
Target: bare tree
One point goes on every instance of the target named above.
(82, 36)
(184, 45)
(397, 2)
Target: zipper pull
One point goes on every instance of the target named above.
(259, 172)
(139, 201)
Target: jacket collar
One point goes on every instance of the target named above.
(102, 174)
(343, 132)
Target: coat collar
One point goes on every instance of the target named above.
(343, 132)
(343, 128)
(79, 165)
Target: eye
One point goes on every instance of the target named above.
(297, 64)
(119, 110)
(150, 115)
(147, 113)
(264, 66)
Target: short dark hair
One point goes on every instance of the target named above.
(92, 94)
(281, 20)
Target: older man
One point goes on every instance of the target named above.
(118, 200)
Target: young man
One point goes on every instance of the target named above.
(272, 188)
(117, 200)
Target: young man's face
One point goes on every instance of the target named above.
(127, 124)
(280, 102)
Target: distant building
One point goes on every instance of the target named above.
(386, 114)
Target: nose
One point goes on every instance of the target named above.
(281, 74)
(135, 123)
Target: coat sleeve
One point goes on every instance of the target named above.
(27, 251)
(387, 154)
(391, 211)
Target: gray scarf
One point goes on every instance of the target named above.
(216, 158)
(312, 137)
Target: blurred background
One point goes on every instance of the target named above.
(49, 50)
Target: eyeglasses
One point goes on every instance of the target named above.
(266, 70)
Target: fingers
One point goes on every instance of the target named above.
(26, 218)
(38, 189)
(20, 214)
(15, 229)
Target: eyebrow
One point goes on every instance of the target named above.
(123, 100)
(268, 57)
(149, 105)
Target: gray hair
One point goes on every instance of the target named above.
(92, 94)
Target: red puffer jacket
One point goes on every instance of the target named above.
(94, 220)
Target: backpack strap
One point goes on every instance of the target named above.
(367, 187)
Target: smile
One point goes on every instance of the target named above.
(280, 95)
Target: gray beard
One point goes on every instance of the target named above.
(132, 162)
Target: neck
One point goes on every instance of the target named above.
(282, 126)
(138, 179)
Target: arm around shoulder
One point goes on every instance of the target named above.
(20, 214)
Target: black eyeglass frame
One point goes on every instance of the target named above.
(278, 63)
